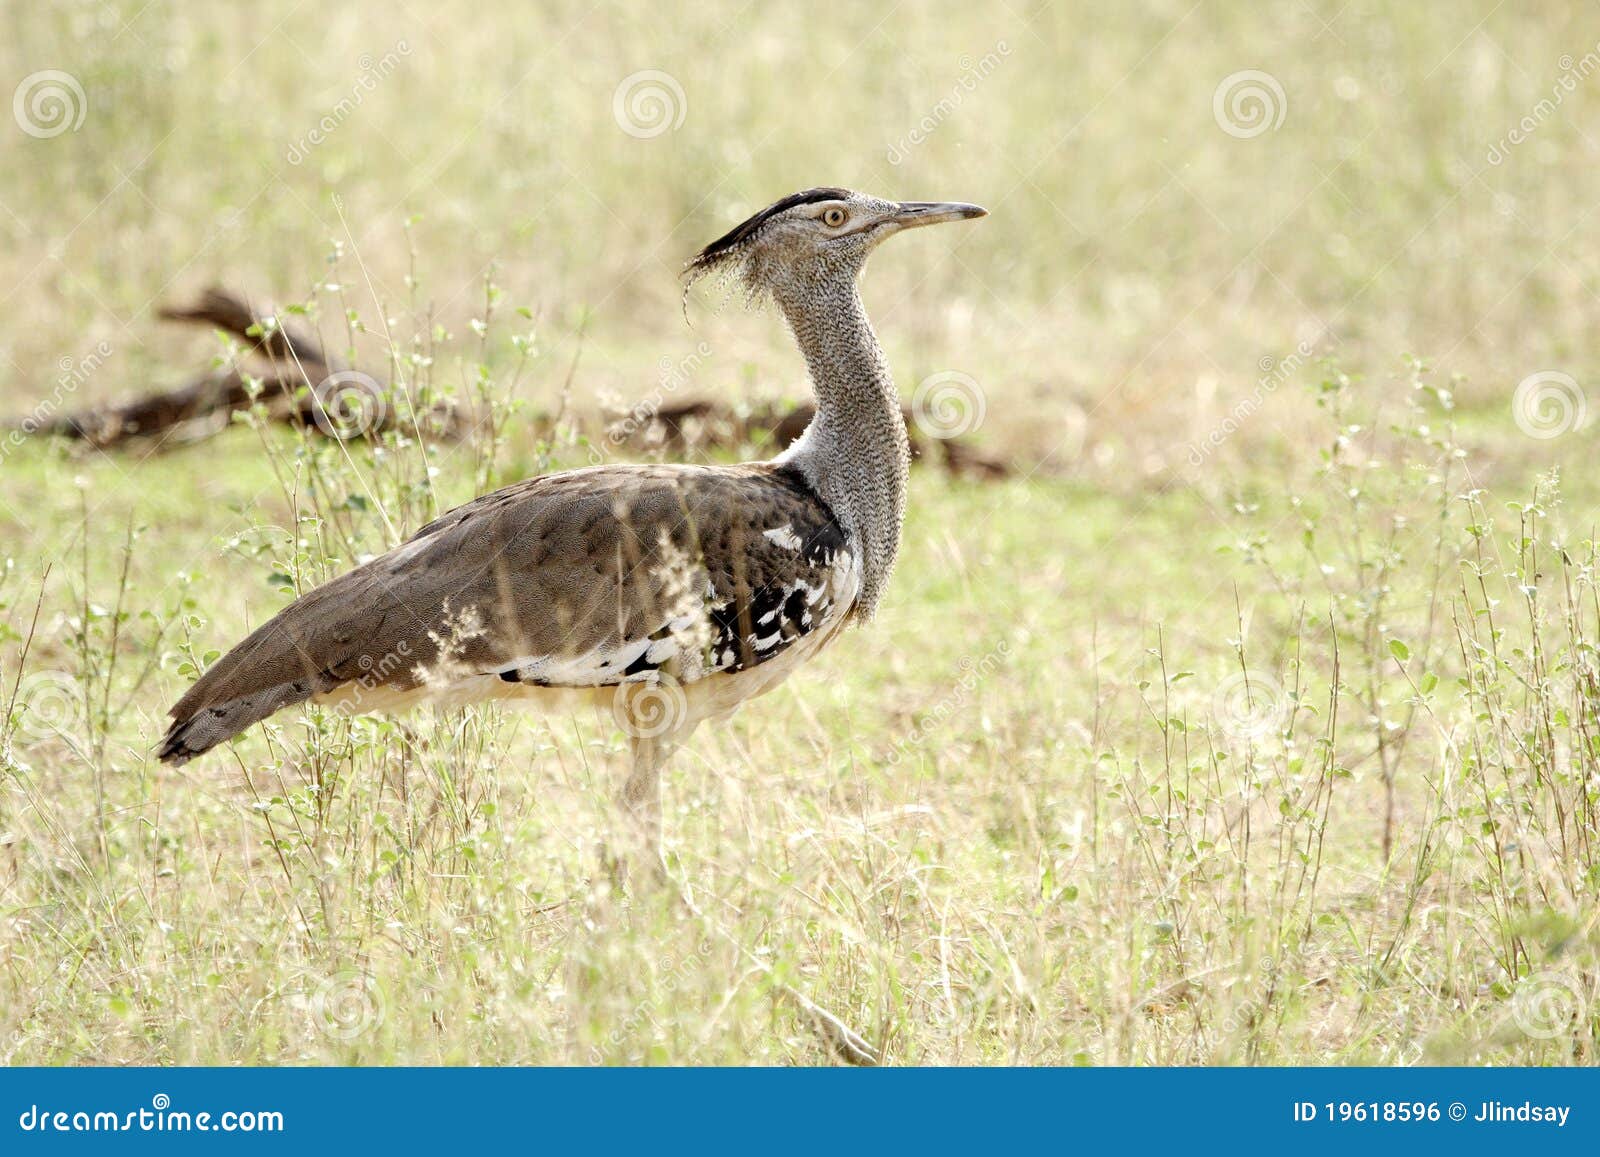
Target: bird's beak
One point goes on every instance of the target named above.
(914, 214)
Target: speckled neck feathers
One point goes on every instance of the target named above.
(855, 453)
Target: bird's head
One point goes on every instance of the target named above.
(814, 237)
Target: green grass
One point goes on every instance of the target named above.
(1036, 812)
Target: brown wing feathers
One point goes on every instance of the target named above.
(576, 567)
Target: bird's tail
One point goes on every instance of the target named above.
(198, 729)
(299, 653)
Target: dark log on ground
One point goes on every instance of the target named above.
(204, 405)
(302, 386)
(342, 409)
(280, 338)
(701, 426)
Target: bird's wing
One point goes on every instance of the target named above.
(581, 579)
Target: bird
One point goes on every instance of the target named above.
(668, 593)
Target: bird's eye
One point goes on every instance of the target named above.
(833, 218)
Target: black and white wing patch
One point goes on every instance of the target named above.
(772, 568)
(815, 595)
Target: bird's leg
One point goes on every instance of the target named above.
(641, 803)
(842, 1040)
(641, 806)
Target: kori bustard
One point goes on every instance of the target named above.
(668, 593)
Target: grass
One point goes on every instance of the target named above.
(1282, 752)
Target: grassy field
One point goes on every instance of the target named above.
(1254, 718)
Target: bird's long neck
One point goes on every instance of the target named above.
(855, 453)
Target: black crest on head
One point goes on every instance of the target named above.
(745, 230)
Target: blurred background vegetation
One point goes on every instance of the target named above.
(1135, 247)
(1252, 719)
